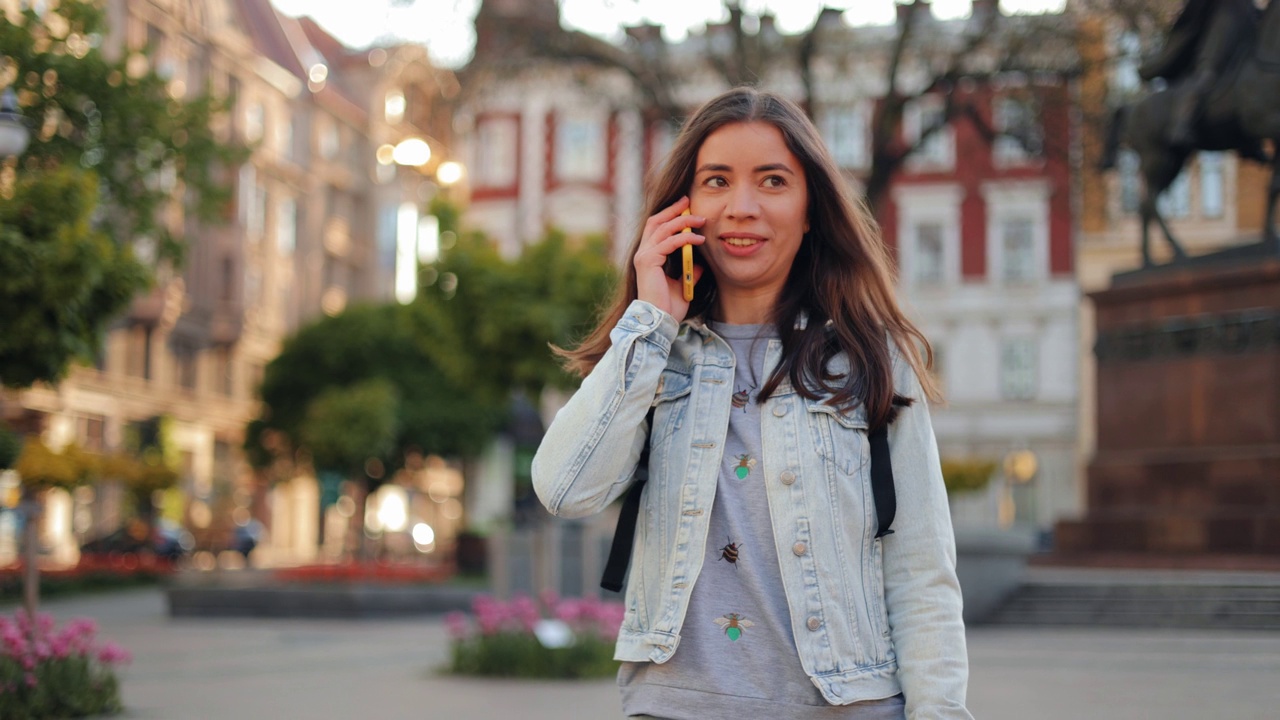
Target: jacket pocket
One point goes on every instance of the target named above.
(839, 436)
(670, 404)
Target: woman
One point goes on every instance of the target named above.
(758, 586)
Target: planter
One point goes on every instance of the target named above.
(990, 566)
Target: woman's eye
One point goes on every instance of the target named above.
(715, 181)
(774, 181)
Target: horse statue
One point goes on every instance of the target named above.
(1239, 113)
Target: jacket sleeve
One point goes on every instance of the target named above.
(922, 595)
(588, 456)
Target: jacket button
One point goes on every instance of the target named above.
(814, 623)
(645, 317)
(787, 477)
(781, 410)
(799, 548)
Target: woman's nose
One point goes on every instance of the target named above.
(742, 203)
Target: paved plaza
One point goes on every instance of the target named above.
(387, 670)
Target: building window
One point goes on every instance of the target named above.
(228, 279)
(252, 286)
(222, 371)
(255, 121)
(137, 361)
(91, 432)
(920, 117)
(1212, 193)
(1018, 246)
(252, 201)
(1125, 80)
(286, 226)
(1175, 201)
(845, 130)
(939, 369)
(1128, 165)
(330, 140)
(580, 149)
(1020, 138)
(496, 153)
(1018, 369)
(929, 261)
(184, 362)
(662, 137)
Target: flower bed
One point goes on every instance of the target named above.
(61, 674)
(88, 576)
(549, 638)
(370, 572)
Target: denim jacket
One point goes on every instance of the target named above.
(871, 618)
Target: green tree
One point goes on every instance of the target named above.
(85, 227)
(503, 314)
(64, 280)
(344, 427)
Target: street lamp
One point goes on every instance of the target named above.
(449, 173)
(14, 134)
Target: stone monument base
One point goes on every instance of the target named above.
(1188, 385)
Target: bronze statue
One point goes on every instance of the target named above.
(1222, 66)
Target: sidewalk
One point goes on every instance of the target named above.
(332, 669)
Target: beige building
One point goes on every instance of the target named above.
(321, 217)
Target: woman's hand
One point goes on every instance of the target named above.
(662, 236)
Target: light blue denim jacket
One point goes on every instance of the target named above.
(871, 618)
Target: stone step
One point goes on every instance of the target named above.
(1144, 598)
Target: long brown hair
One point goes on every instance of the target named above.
(840, 281)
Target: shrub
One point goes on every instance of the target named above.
(50, 673)
(553, 638)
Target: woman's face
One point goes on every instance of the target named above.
(752, 191)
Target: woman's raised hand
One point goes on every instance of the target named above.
(663, 235)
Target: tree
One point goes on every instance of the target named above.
(64, 280)
(389, 382)
(908, 61)
(113, 146)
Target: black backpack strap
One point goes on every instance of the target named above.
(615, 569)
(882, 491)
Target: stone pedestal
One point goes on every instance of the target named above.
(1188, 383)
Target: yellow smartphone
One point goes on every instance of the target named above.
(687, 270)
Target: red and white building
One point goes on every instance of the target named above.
(983, 231)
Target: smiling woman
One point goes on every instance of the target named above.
(767, 581)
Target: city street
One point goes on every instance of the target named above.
(271, 669)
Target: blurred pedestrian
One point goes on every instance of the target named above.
(762, 583)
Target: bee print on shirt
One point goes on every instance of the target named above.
(742, 397)
(733, 624)
(730, 552)
(743, 468)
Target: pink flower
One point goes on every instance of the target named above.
(111, 654)
(457, 625)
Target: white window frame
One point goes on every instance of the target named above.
(1213, 185)
(847, 130)
(1009, 151)
(497, 145)
(581, 147)
(928, 203)
(939, 151)
(1016, 200)
(286, 225)
(1019, 383)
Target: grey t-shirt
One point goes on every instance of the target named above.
(737, 657)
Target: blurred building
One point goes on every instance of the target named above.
(323, 216)
(983, 228)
